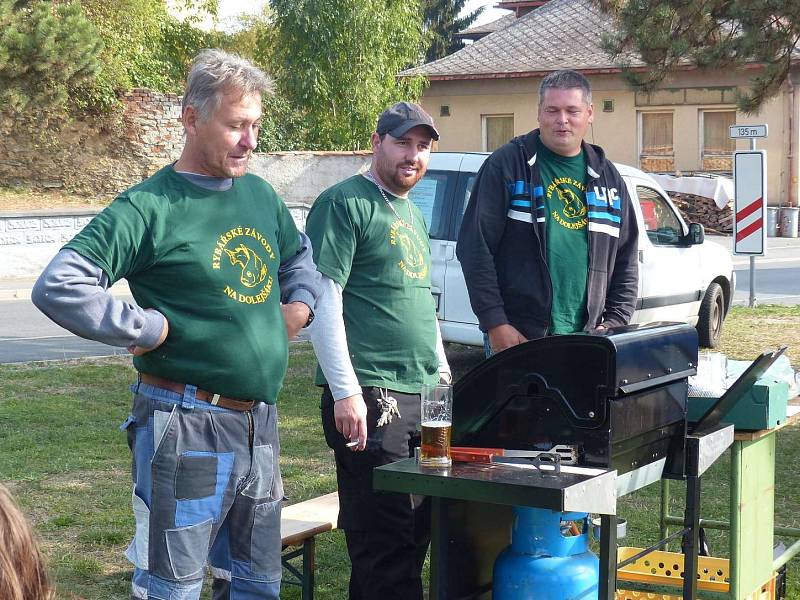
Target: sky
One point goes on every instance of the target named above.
(232, 8)
(489, 13)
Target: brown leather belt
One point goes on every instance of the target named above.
(202, 395)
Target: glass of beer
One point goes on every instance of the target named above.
(437, 421)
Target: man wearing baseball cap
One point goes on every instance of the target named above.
(377, 341)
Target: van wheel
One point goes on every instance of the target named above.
(712, 312)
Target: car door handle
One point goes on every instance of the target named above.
(641, 256)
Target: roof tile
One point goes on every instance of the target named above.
(561, 34)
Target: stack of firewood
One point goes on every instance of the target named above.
(697, 209)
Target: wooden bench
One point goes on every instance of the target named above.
(300, 524)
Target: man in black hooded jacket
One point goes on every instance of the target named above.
(548, 244)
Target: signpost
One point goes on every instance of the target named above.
(750, 205)
(748, 131)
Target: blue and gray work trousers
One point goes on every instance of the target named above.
(206, 488)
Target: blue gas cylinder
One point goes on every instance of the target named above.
(545, 562)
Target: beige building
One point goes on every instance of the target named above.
(487, 92)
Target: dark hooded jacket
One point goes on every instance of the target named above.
(502, 248)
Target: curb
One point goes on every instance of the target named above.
(22, 294)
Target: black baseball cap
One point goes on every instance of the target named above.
(401, 117)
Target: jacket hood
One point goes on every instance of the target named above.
(528, 143)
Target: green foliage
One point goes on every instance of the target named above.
(253, 37)
(131, 33)
(44, 49)
(442, 23)
(180, 43)
(337, 62)
(711, 34)
(283, 127)
(144, 46)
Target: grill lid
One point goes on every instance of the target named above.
(573, 376)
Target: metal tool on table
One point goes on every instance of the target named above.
(565, 454)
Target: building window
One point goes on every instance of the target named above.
(716, 145)
(657, 151)
(497, 130)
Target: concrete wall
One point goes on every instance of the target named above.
(618, 131)
(28, 241)
(299, 177)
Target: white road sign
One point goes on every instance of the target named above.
(748, 131)
(750, 204)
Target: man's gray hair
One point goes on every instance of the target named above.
(566, 79)
(214, 73)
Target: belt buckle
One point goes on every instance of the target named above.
(215, 399)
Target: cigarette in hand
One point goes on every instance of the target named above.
(352, 444)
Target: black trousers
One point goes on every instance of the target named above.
(387, 534)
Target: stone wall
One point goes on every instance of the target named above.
(95, 155)
(101, 156)
(154, 132)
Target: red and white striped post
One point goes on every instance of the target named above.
(750, 207)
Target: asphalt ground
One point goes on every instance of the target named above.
(27, 335)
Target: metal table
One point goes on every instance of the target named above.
(472, 514)
(471, 518)
(752, 509)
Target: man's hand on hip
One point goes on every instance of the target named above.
(505, 336)
(139, 350)
(295, 315)
(350, 415)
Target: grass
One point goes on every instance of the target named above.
(67, 463)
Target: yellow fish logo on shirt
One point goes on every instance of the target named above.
(254, 271)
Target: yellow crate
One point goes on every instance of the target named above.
(629, 595)
(666, 568)
(766, 592)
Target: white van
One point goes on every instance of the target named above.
(681, 278)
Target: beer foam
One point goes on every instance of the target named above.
(437, 424)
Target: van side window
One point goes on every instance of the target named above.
(660, 221)
(466, 186)
(430, 196)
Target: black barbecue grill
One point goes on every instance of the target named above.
(619, 399)
(616, 401)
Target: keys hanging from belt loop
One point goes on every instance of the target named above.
(388, 406)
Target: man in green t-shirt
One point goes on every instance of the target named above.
(377, 341)
(548, 244)
(221, 279)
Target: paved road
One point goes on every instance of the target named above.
(777, 275)
(27, 335)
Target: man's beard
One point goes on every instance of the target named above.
(404, 183)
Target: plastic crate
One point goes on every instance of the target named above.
(666, 568)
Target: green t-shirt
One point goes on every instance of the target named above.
(564, 183)
(208, 260)
(383, 265)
